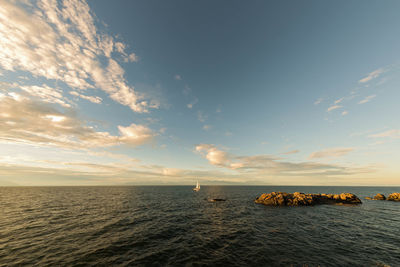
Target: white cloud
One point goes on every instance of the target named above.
(93, 99)
(331, 153)
(291, 152)
(269, 165)
(367, 99)
(345, 113)
(135, 134)
(177, 77)
(339, 100)
(214, 155)
(120, 48)
(25, 121)
(61, 42)
(318, 101)
(395, 134)
(372, 75)
(47, 94)
(333, 107)
(132, 58)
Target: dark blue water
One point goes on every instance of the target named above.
(174, 226)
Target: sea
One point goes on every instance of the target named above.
(175, 226)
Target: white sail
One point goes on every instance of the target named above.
(197, 188)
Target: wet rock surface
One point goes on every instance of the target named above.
(379, 197)
(302, 199)
(394, 197)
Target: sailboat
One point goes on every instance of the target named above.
(197, 188)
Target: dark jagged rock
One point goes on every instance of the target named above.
(301, 199)
(394, 197)
(379, 197)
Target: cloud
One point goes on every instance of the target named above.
(120, 47)
(271, 165)
(367, 99)
(207, 127)
(372, 75)
(333, 108)
(59, 41)
(345, 113)
(46, 93)
(191, 104)
(339, 101)
(213, 155)
(177, 77)
(93, 99)
(331, 153)
(135, 134)
(394, 134)
(291, 152)
(29, 122)
(318, 101)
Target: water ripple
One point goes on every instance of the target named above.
(173, 226)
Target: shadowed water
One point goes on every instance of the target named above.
(174, 226)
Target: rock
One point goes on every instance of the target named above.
(379, 197)
(369, 198)
(301, 199)
(394, 197)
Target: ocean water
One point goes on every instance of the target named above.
(174, 226)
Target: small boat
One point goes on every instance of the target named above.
(197, 188)
(216, 199)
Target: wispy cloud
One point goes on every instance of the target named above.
(93, 99)
(47, 94)
(367, 99)
(331, 153)
(333, 107)
(394, 134)
(177, 77)
(61, 42)
(372, 75)
(291, 152)
(344, 113)
(267, 164)
(318, 101)
(120, 47)
(339, 100)
(28, 122)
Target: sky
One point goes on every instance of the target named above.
(223, 92)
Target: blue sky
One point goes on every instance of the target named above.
(224, 92)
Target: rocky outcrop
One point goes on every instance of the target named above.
(394, 197)
(301, 199)
(379, 197)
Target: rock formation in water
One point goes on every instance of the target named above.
(394, 197)
(379, 197)
(301, 199)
